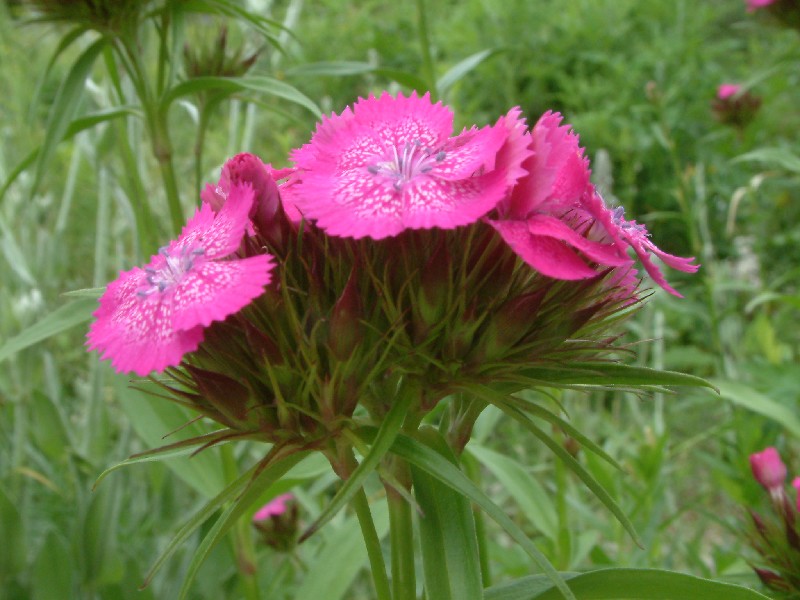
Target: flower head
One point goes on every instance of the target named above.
(151, 316)
(390, 164)
(768, 469)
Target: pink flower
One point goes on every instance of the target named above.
(754, 5)
(768, 469)
(538, 220)
(150, 317)
(273, 508)
(390, 164)
(726, 90)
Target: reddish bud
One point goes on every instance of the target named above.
(735, 106)
(345, 321)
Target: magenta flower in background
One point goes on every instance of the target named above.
(726, 90)
(273, 508)
(754, 5)
(150, 317)
(390, 164)
(768, 469)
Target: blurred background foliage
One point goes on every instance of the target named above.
(635, 79)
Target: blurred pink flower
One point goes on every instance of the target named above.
(768, 469)
(753, 5)
(726, 90)
(390, 164)
(273, 508)
(150, 317)
(796, 486)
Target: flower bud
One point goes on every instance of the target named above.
(277, 522)
(735, 106)
(768, 469)
(344, 332)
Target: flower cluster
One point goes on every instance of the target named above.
(394, 253)
(776, 538)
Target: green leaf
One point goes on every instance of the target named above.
(53, 570)
(383, 440)
(528, 493)
(153, 418)
(773, 157)
(450, 561)
(419, 455)
(62, 319)
(257, 84)
(341, 558)
(269, 475)
(12, 560)
(80, 124)
(746, 397)
(624, 584)
(64, 106)
(462, 68)
(333, 68)
(610, 374)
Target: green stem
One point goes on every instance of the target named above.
(425, 47)
(242, 537)
(404, 583)
(373, 544)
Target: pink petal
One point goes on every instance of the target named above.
(214, 290)
(545, 254)
(604, 254)
(135, 332)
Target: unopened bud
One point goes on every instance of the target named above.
(345, 329)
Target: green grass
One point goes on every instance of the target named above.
(635, 79)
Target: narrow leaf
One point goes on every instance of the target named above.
(62, 319)
(624, 584)
(383, 441)
(462, 68)
(746, 397)
(258, 84)
(450, 561)
(254, 489)
(606, 374)
(434, 464)
(64, 106)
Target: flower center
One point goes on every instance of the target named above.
(402, 167)
(172, 269)
(618, 215)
